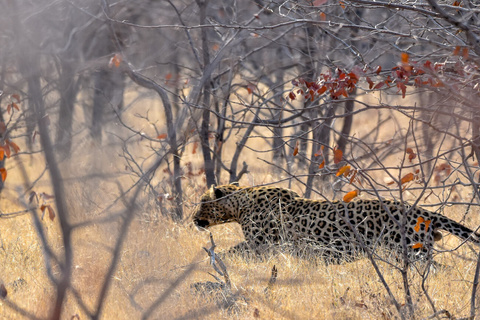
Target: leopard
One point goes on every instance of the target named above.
(342, 231)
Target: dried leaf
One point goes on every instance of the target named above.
(343, 170)
(3, 172)
(407, 178)
(115, 61)
(322, 165)
(337, 155)
(350, 196)
(292, 96)
(427, 224)
(162, 136)
(465, 53)
(295, 151)
(14, 146)
(16, 97)
(323, 16)
(51, 213)
(319, 2)
(419, 221)
(195, 146)
(417, 245)
(2, 154)
(405, 57)
(456, 51)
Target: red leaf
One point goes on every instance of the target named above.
(322, 90)
(162, 136)
(323, 16)
(401, 87)
(337, 155)
(465, 53)
(456, 51)
(379, 69)
(319, 2)
(16, 97)
(195, 146)
(379, 85)
(292, 96)
(370, 83)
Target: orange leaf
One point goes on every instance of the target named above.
(322, 165)
(14, 105)
(162, 136)
(465, 53)
(417, 245)
(341, 4)
(411, 156)
(419, 221)
(115, 61)
(409, 150)
(2, 154)
(350, 196)
(3, 172)
(323, 16)
(427, 224)
(407, 178)
(337, 155)
(343, 170)
(405, 57)
(9, 108)
(295, 151)
(168, 76)
(14, 146)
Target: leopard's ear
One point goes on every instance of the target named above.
(218, 193)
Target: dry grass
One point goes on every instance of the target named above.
(158, 252)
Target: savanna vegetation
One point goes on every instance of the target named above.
(116, 116)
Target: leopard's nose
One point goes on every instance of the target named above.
(201, 223)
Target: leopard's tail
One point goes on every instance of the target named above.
(455, 228)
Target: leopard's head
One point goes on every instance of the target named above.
(218, 205)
